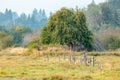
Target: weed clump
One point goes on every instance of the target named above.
(56, 77)
(87, 77)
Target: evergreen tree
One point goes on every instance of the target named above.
(67, 27)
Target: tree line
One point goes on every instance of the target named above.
(13, 37)
(103, 15)
(34, 20)
(80, 29)
(104, 21)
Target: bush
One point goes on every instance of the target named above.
(33, 46)
(16, 45)
(34, 43)
(112, 43)
(5, 40)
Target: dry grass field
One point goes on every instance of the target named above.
(34, 67)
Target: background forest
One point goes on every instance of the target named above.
(103, 20)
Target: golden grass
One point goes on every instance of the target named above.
(37, 67)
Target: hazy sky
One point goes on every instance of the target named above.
(27, 6)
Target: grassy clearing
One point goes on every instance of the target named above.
(37, 68)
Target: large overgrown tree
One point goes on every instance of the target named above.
(67, 27)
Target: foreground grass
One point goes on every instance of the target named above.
(19, 67)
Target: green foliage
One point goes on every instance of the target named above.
(102, 17)
(67, 27)
(2, 29)
(113, 43)
(34, 44)
(83, 35)
(45, 36)
(106, 13)
(35, 20)
(111, 12)
(18, 33)
(94, 17)
(5, 40)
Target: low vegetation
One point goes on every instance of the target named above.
(37, 67)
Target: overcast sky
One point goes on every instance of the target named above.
(27, 6)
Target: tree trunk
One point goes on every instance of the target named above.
(70, 47)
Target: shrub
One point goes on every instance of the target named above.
(33, 46)
(112, 43)
(34, 43)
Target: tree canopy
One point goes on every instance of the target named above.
(68, 27)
